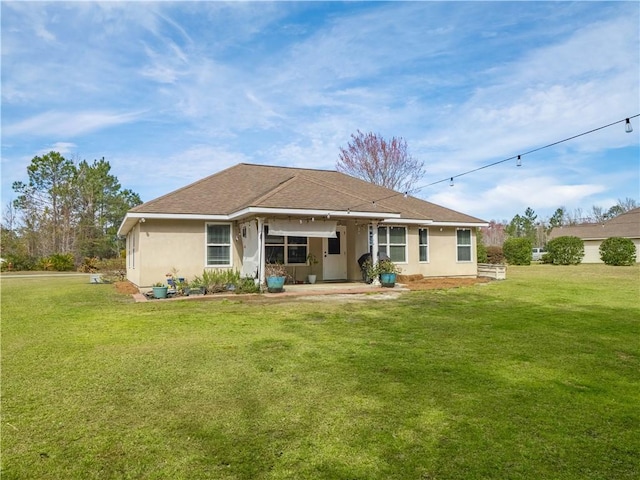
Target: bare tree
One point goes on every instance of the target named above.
(386, 163)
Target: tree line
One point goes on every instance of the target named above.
(65, 208)
(536, 230)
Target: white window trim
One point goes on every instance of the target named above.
(386, 243)
(427, 245)
(207, 245)
(286, 245)
(470, 245)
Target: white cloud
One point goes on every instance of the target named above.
(543, 193)
(62, 148)
(68, 124)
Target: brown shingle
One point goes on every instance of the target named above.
(625, 225)
(247, 185)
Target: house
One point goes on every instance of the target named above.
(626, 225)
(248, 215)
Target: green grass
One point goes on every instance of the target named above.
(536, 377)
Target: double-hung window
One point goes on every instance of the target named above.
(218, 245)
(423, 241)
(286, 250)
(392, 241)
(463, 236)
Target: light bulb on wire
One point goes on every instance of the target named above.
(519, 161)
(627, 126)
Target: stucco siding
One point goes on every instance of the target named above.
(165, 245)
(442, 253)
(133, 255)
(592, 250)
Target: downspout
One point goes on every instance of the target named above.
(261, 263)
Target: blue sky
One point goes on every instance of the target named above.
(171, 92)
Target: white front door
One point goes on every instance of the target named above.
(334, 253)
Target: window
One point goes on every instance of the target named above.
(276, 246)
(131, 254)
(392, 241)
(218, 244)
(464, 245)
(423, 240)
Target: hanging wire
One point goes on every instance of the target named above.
(518, 159)
(624, 120)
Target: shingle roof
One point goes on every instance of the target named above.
(625, 225)
(247, 185)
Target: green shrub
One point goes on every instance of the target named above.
(517, 251)
(220, 280)
(17, 262)
(59, 262)
(247, 285)
(565, 250)
(481, 248)
(618, 251)
(495, 255)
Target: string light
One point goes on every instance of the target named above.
(518, 158)
(535, 150)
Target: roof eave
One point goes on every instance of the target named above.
(310, 212)
(140, 217)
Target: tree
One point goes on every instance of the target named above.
(46, 203)
(101, 206)
(494, 234)
(386, 163)
(557, 219)
(524, 226)
(69, 209)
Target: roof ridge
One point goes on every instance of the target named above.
(271, 192)
(333, 187)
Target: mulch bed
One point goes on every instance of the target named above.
(412, 282)
(417, 282)
(126, 288)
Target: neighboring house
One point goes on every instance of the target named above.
(247, 215)
(626, 225)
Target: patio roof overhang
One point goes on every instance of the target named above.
(132, 218)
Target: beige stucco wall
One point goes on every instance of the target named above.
(442, 254)
(165, 245)
(133, 255)
(592, 251)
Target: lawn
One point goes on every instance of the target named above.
(535, 377)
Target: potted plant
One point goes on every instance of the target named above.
(160, 290)
(386, 270)
(276, 274)
(311, 260)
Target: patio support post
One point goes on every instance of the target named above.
(261, 262)
(374, 241)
